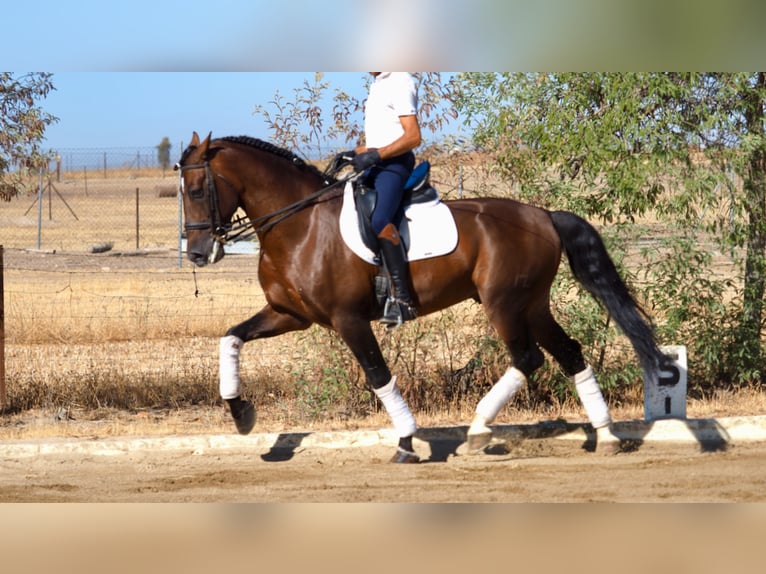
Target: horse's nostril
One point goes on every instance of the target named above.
(197, 258)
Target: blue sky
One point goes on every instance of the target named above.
(476, 35)
(126, 109)
(131, 73)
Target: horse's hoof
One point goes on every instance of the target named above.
(405, 457)
(608, 448)
(245, 418)
(607, 443)
(476, 443)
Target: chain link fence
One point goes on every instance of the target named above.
(117, 198)
(104, 161)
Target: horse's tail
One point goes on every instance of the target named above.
(594, 269)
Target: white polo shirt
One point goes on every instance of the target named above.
(392, 94)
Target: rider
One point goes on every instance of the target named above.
(392, 133)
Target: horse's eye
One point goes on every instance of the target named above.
(197, 193)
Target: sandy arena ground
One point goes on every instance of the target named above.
(539, 464)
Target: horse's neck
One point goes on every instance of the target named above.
(284, 204)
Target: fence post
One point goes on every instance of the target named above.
(40, 210)
(3, 396)
(137, 219)
(180, 218)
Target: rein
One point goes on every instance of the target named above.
(223, 232)
(289, 210)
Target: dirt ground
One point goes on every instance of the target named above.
(532, 470)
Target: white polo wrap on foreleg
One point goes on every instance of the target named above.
(228, 366)
(591, 398)
(499, 395)
(397, 408)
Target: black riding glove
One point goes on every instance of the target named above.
(364, 160)
(339, 161)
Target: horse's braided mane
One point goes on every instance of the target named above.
(276, 150)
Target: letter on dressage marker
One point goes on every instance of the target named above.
(666, 397)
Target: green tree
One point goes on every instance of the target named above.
(163, 153)
(646, 153)
(22, 126)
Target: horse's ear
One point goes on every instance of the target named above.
(194, 140)
(205, 145)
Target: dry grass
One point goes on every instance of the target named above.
(276, 417)
(128, 341)
(169, 386)
(95, 299)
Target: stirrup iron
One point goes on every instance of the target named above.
(394, 312)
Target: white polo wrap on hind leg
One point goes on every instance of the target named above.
(228, 366)
(591, 398)
(397, 408)
(499, 395)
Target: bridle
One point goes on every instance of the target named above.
(219, 229)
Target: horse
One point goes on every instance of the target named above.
(506, 258)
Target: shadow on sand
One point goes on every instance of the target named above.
(708, 434)
(444, 442)
(284, 447)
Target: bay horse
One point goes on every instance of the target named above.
(506, 258)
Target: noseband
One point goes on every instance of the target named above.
(219, 230)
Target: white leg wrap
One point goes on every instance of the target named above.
(228, 366)
(499, 395)
(397, 408)
(592, 399)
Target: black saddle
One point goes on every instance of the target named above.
(417, 189)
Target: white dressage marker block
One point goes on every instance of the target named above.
(666, 397)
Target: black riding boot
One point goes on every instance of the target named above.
(399, 306)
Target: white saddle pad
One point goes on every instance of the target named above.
(432, 229)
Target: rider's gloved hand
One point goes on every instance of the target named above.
(339, 161)
(364, 160)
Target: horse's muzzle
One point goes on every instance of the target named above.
(212, 253)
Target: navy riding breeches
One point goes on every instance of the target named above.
(388, 178)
